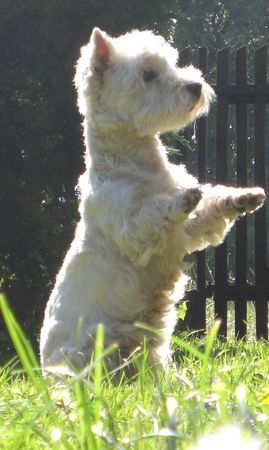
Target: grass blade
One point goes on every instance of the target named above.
(21, 344)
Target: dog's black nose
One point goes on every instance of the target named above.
(194, 89)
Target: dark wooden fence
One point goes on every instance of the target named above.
(243, 95)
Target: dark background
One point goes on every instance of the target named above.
(41, 148)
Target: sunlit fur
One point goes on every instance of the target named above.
(140, 215)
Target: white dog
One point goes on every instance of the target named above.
(140, 215)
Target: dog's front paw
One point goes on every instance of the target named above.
(184, 203)
(191, 199)
(250, 201)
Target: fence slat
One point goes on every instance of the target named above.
(202, 125)
(201, 133)
(241, 226)
(184, 60)
(260, 217)
(221, 177)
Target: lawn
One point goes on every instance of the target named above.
(210, 384)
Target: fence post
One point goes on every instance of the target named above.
(221, 177)
(241, 225)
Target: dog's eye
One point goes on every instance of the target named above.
(149, 75)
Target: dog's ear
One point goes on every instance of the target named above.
(102, 49)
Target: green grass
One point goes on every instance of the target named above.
(210, 383)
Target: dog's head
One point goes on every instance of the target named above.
(134, 80)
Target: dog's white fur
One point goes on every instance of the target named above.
(140, 215)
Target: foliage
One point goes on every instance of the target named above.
(216, 24)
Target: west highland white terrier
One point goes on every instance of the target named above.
(140, 215)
